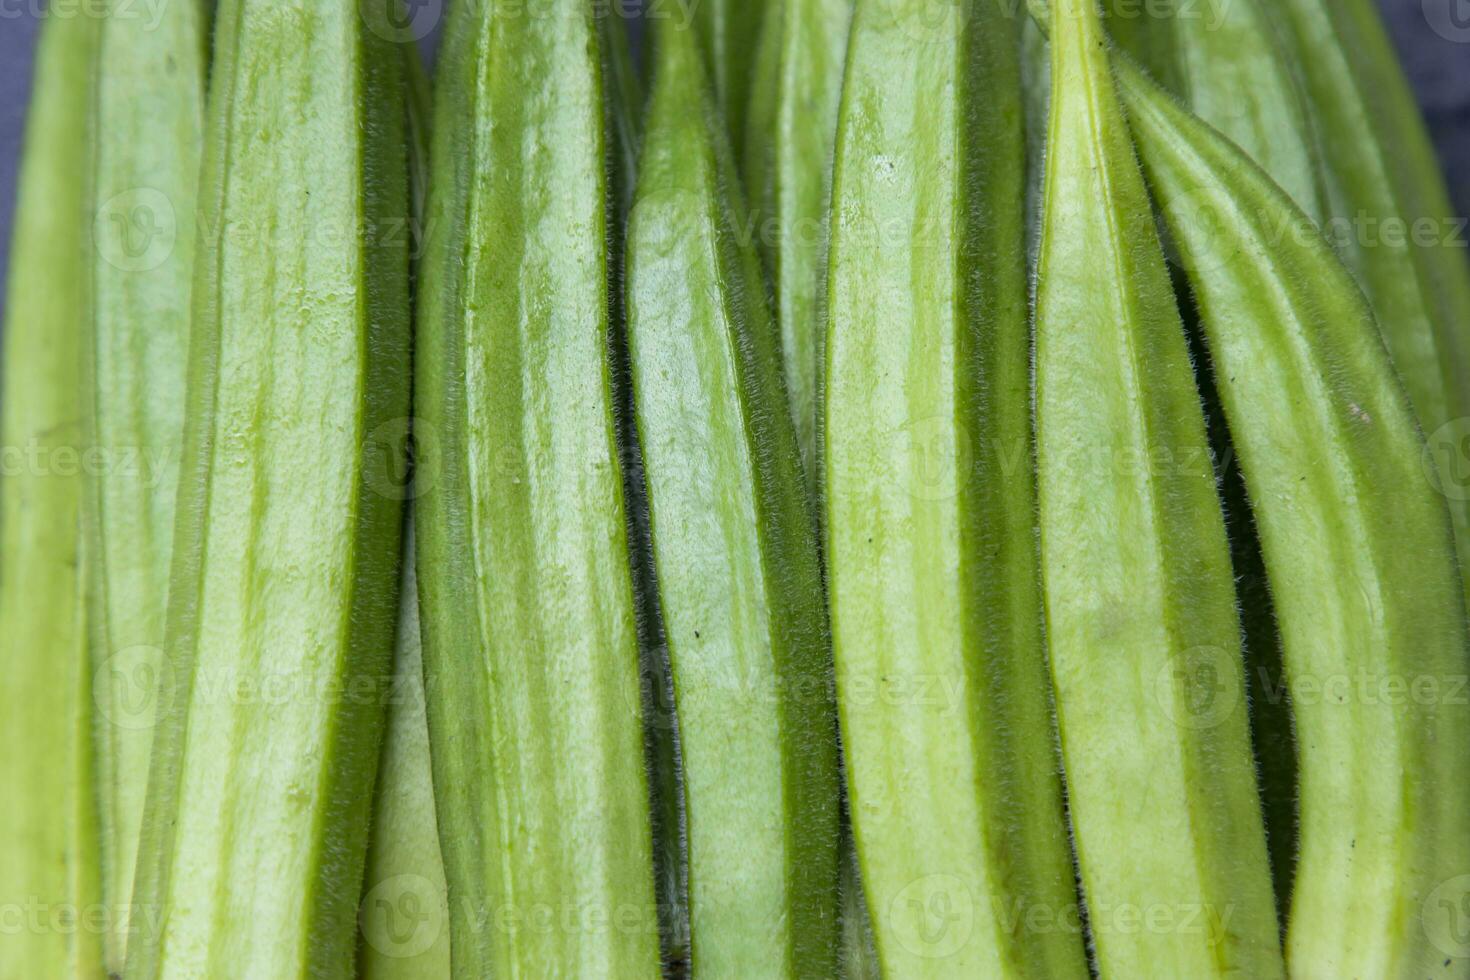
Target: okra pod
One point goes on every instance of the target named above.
(283, 590)
(1358, 552)
(930, 502)
(49, 833)
(735, 551)
(1142, 628)
(731, 34)
(530, 640)
(148, 133)
(789, 143)
(1392, 220)
(404, 914)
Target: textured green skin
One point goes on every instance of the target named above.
(1381, 165)
(789, 142)
(287, 549)
(859, 952)
(405, 906)
(623, 110)
(736, 554)
(148, 133)
(1140, 599)
(1145, 30)
(48, 820)
(420, 118)
(1357, 547)
(1230, 67)
(623, 82)
(1228, 61)
(730, 31)
(936, 613)
(530, 637)
(790, 138)
(1036, 86)
(405, 898)
(1228, 58)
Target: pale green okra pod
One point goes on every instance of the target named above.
(1359, 554)
(283, 591)
(930, 501)
(148, 132)
(530, 636)
(49, 829)
(735, 551)
(1144, 640)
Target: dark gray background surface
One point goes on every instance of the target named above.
(1433, 37)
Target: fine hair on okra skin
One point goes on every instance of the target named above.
(931, 562)
(287, 543)
(1327, 442)
(677, 489)
(1137, 580)
(528, 607)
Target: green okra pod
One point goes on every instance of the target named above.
(49, 830)
(1140, 603)
(1358, 551)
(148, 133)
(930, 502)
(735, 548)
(1392, 220)
(730, 31)
(283, 590)
(404, 914)
(1229, 64)
(789, 143)
(530, 640)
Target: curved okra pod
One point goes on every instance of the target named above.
(1392, 221)
(49, 857)
(1228, 61)
(1230, 67)
(286, 555)
(1357, 548)
(148, 134)
(735, 549)
(789, 143)
(530, 642)
(1140, 600)
(930, 502)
